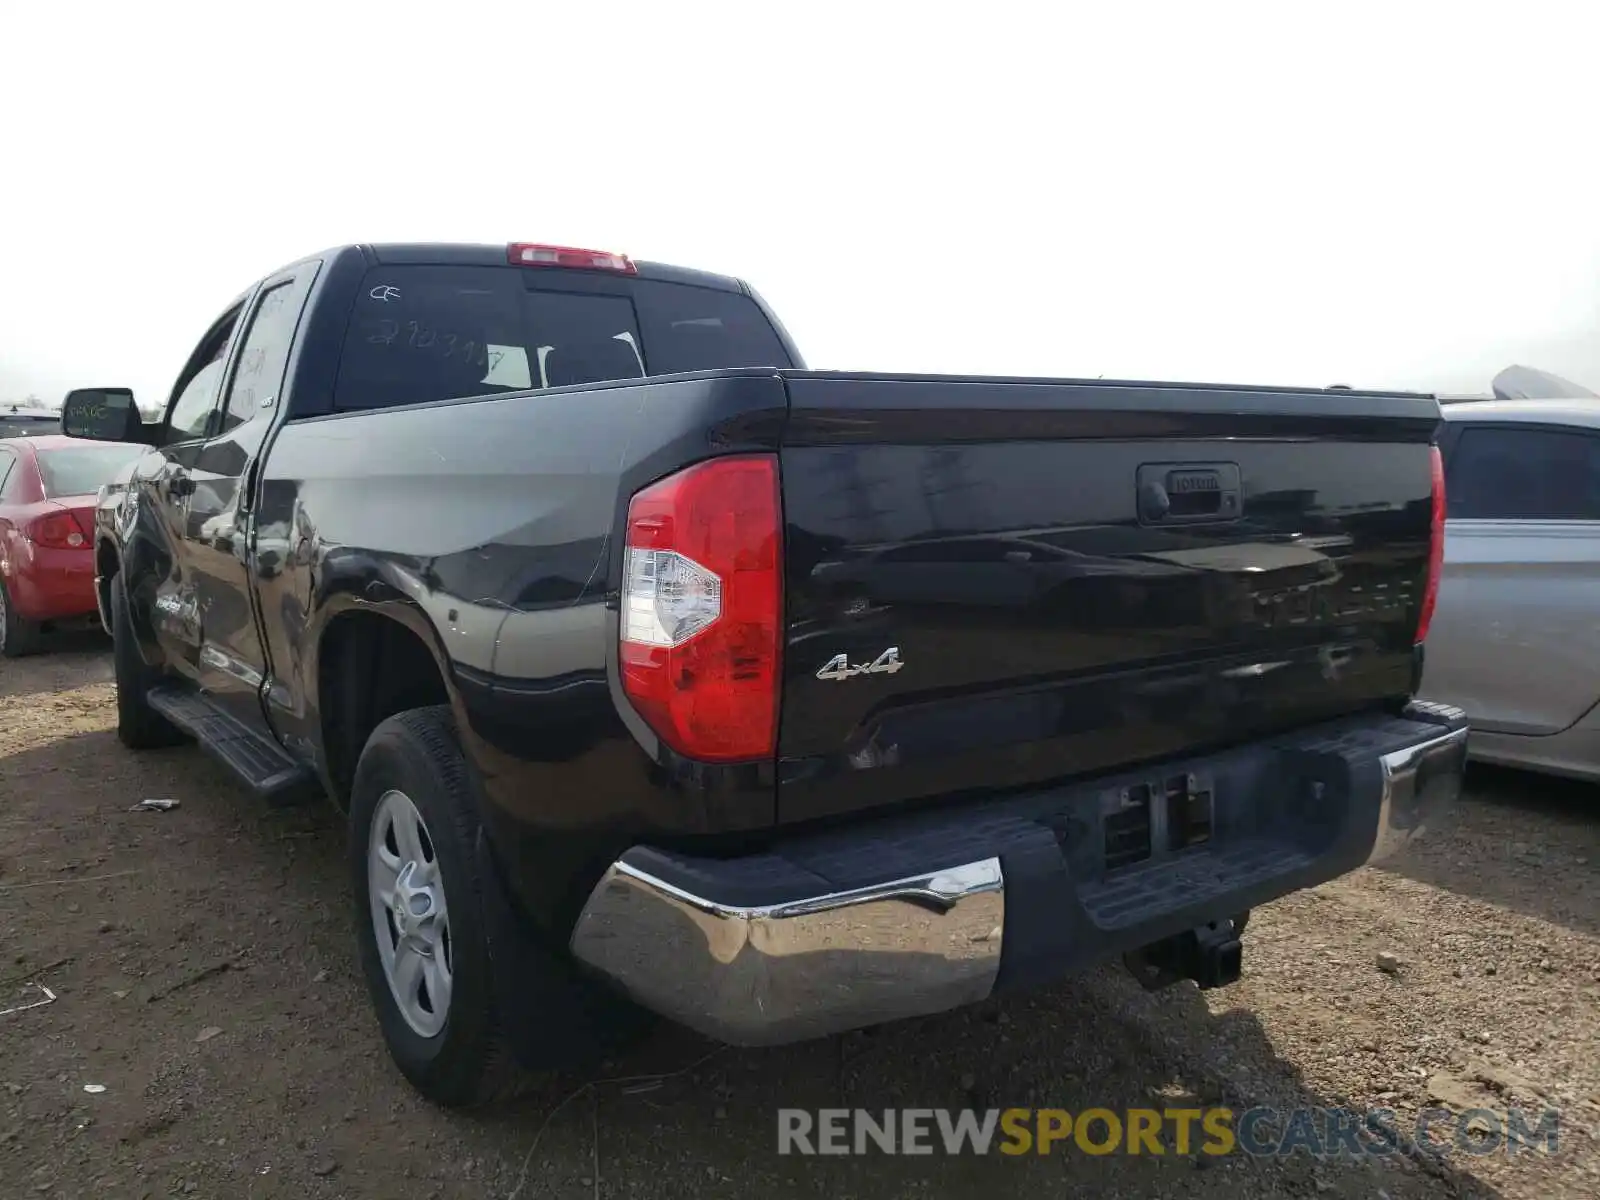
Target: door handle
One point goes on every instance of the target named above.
(1154, 503)
(180, 485)
(1188, 493)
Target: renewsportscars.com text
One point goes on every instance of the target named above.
(1320, 1132)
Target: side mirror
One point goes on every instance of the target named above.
(102, 414)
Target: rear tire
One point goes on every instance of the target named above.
(18, 635)
(139, 727)
(459, 1057)
(413, 769)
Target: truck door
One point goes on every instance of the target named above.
(161, 586)
(231, 661)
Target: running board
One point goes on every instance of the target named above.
(262, 765)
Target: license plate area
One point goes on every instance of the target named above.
(1166, 813)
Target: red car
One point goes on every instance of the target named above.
(48, 486)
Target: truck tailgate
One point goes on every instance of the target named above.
(1078, 577)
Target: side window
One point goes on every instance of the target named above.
(1506, 473)
(191, 411)
(8, 461)
(265, 353)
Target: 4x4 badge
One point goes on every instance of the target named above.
(839, 666)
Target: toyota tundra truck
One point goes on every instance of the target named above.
(654, 673)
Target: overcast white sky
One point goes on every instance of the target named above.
(1397, 194)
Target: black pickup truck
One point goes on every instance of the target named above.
(657, 673)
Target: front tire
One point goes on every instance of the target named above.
(419, 924)
(139, 727)
(18, 636)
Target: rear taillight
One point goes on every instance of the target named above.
(702, 608)
(1430, 593)
(57, 531)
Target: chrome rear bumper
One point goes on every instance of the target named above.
(785, 973)
(1420, 784)
(801, 941)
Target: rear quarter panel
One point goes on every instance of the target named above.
(487, 526)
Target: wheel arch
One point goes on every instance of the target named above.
(107, 564)
(372, 660)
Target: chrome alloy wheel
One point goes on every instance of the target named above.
(409, 918)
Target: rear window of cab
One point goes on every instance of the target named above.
(422, 333)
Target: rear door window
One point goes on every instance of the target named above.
(425, 333)
(1529, 474)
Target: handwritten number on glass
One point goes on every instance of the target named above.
(386, 332)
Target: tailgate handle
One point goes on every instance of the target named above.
(1189, 493)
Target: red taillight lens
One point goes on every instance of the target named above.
(532, 254)
(702, 608)
(57, 531)
(1430, 594)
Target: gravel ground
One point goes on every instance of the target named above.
(205, 979)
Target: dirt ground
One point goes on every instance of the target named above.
(205, 979)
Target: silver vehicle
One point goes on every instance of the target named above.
(1515, 639)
